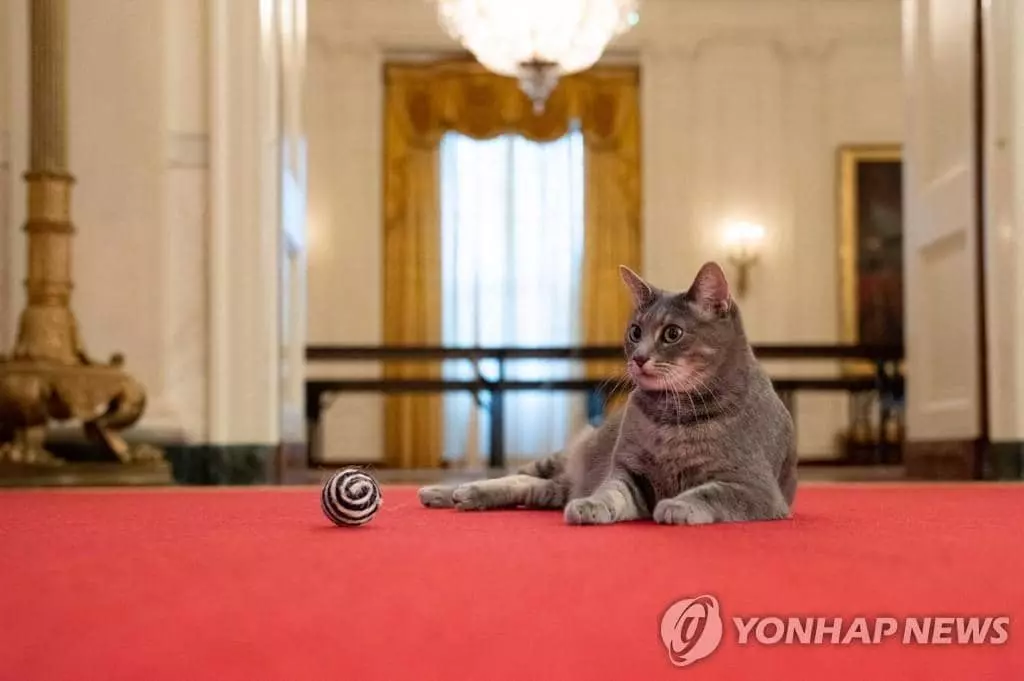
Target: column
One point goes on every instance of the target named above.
(1004, 236)
(47, 328)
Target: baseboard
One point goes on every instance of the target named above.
(292, 463)
(355, 463)
(234, 464)
(195, 463)
(286, 463)
(965, 460)
(943, 459)
(1004, 461)
(833, 462)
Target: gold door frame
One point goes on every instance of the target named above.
(848, 158)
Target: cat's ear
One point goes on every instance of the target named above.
(641, 291)
(710, 289)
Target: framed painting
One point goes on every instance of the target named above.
(871, 244)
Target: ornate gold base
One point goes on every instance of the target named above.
(48, 376)
(86, 474)
(103, 397)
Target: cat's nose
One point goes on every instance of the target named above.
(640, 360)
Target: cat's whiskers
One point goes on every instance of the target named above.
(689, 396)
(670, 381)
(694, 377)
(674, 385)
(618, 381)
(664, 370)
(678, 384)
(683, 388)
(713, 393)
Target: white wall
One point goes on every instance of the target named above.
(5, 167)
(174, 143)
(344, 107)
(743, 102)
(123, 157)
(13, 126)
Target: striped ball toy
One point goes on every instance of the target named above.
(350, 497)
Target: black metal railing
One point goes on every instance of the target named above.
(882, 377)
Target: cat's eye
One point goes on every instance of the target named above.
(635, 333)
(671, 334)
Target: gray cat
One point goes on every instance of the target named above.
(703, 436)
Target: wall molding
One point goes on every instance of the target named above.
(664, 24)
(811, 46)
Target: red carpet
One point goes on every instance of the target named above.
(255, 585)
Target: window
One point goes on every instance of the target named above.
(512, 249)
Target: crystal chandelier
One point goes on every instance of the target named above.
(537, 41)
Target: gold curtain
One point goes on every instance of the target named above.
(422, 103)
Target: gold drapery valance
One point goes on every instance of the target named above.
(425, 101)
(465, 98)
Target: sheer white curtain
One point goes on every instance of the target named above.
(512, 252)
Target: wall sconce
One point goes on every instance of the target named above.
(743, 249)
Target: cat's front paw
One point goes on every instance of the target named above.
(436, 496)
(678, 512)
(469, 497)
(587, 512)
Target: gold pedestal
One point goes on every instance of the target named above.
(155, 473)
(48, 376)
(102, 397)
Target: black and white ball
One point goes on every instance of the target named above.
(350, 497)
